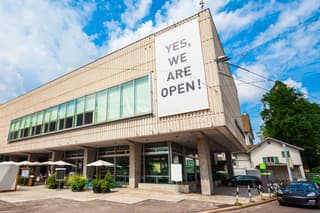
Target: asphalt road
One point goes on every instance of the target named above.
(275, 207)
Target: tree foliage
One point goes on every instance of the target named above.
(288, 116)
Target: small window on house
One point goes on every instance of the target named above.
(288, 154)
(271, 160)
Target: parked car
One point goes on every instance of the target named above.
(245, 180)
(299, 193)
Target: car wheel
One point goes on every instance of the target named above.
(253, 185)
(281, 203)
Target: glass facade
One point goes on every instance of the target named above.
(126, 100)
(157, 158)
(119, 157)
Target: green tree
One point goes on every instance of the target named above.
(288, 116)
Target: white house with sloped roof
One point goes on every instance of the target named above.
(270, 151)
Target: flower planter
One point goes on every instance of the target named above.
(96, 189)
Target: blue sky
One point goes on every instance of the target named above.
(42, 40)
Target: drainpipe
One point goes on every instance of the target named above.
(287, 162)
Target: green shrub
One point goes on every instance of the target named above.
(96, 185)
(77, 183)
(316, 169)
(51, 182)
(315, 180)
(22, 181)
(107, 183)
(220, 176)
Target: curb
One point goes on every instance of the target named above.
(231, 208)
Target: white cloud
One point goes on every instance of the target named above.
(291, 15)
(230, 22)
(247, 84)
(296, 85)
(41, 40)
(135, 11)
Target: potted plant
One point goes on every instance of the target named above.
(77, 183)
(51, 182)
(107, 183)
(96, 185)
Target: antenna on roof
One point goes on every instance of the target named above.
(202, 4)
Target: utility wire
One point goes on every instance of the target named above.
(261, 76)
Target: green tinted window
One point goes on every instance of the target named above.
(62, 111)
(114, 103)
(127, 99)
(39, 117)
(12, 126)
(54, 114)
(34, 119)
(80, 105)
(27, 121)
(101, 111)
(70, 109)
(121, 101)
(142, 95)
(46, 116)
(90, 103)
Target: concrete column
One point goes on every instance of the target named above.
(229, 164)
(32, 158)
(205, 167)
(134, 164)
(56, 156)
(89, 156)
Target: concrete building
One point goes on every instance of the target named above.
(271, 153)
(159, 101)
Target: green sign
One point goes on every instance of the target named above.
(262, 166)
(265, 173)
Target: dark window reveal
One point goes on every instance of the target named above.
(52, 126)
(46, 127)
(15, 136)
(26, 132)
(79, 119)
(38, 129)
(88, 118)
(33, 130)
(61, 124)
(69, 121)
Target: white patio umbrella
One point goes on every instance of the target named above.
(48, 163)
(36, 163)
(9, 163)
(25, 163)
(100, 163)
(62, 163)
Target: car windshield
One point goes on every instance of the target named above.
(302, 187)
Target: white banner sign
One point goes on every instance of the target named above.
(176, 172)
(180, 71)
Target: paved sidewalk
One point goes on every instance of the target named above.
(224, 195)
